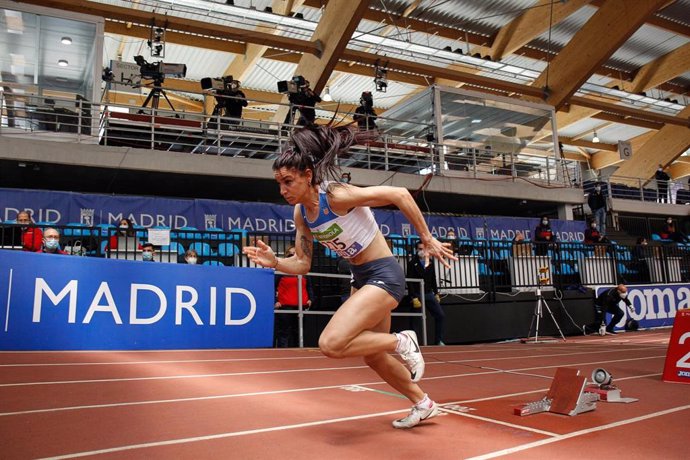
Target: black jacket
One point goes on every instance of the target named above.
(596, 200)
(416, 269)
(610, 298)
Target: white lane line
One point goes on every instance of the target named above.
(499, 422)
(9, 297)
(274, 392)
(575, 434)
(286, 371)
(225, 435)
(293, 358)
(320, 423)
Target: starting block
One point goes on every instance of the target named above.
(608, 393)
(566, 396)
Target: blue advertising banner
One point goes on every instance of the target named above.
(91, 209)
(654, 306)
(54, 302)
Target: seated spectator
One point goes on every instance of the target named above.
(670, 232)
(32, 236)
(641, 251)
(191, 257)
(593, 236)
(543, 237)
(147, 252)
(452, 239)
(51, 242)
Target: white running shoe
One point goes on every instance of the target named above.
(413, 356)
(416, 415)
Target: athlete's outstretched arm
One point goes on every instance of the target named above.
(299, 264)
(346, 197)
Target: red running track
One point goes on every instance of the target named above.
(298, 404)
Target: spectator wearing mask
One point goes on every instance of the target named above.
(31, 236)
(597, 203)
(51, 242)
(287, 298)
(593, 235)
(662, 184)
(543, 237)
(670, 232)
(608, 302)
(125, 227)
(147, 252)
(191, 257)
(452, 238)
(420, 266)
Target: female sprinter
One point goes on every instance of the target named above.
(339, 217)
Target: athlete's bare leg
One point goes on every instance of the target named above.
(361, 327)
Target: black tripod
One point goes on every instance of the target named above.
(155, 95)
(538, 312)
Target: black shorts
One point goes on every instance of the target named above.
(385, 273)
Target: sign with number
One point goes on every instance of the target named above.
(625, 150)
(677, 368)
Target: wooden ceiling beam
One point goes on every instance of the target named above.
(530, 24)
(601, 36)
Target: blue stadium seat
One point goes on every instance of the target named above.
(228, 249)
(174, 246)
(217, 263)
(203, 249)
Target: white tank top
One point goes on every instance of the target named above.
(346, 235)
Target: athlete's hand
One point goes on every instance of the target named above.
(261, 254)
(441, 251)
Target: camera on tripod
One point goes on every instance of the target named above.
(296, 85)
(157, 71)
(220, 85)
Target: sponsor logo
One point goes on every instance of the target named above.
(86, 216)
(684, 374)
(330, 233)
(210, 221)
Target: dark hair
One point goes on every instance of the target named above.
(316, 147)
(147, 245)
(640, 239)
(130, 226)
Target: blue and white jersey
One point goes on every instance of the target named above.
(346, 235)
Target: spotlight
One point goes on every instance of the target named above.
(63, 63)
(595, 139)
(327, 95)
(448, 48)
(66, 40)
(381, 78)
(230, 2)
(268, 9)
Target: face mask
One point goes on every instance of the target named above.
(593, 226)
(52, 244)
(644, 243)
(545, 222)
(669, 221)
(124, 227)
(420, 254)
(597, 189)
(191, 260)
(623, 295)
(147, 255)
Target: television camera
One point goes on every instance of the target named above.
(220, 85)
(229, 99)
(296, 85)
(157, 71)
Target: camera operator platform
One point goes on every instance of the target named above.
(539, 309)
(301, 98)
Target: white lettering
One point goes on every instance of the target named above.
(42, 287)
(212, 307)
(163, 305)
(655, 297)
(103, 290)
(180, 304)
(228, 306)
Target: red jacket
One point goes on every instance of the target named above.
(32, 239)
(287, 291)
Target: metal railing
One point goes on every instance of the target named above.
(483, 266)
(651, 191)
(68, 120)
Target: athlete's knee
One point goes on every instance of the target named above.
(376, 359)
(331, 346)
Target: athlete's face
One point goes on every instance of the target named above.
(294, 184)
